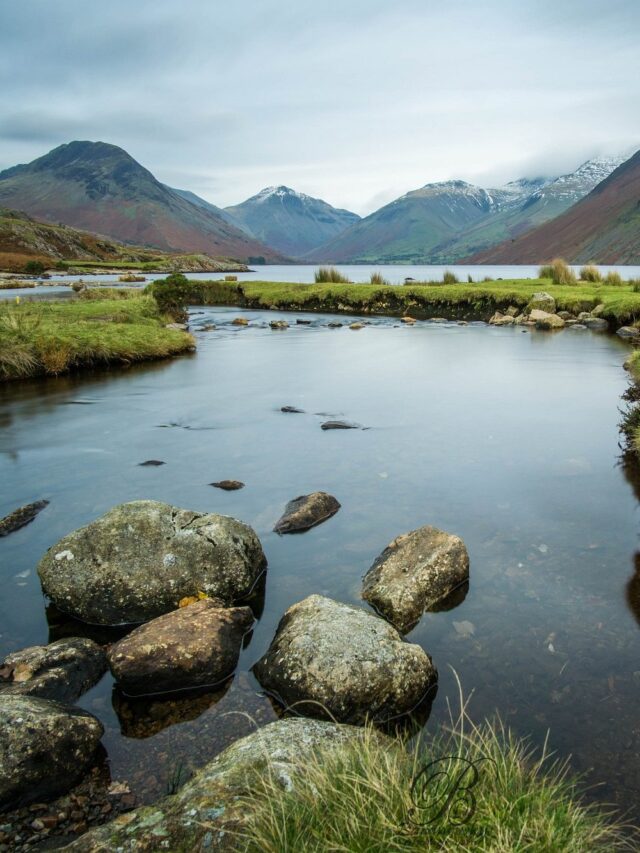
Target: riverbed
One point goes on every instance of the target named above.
(506, 437)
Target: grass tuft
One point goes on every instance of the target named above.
(613, 279)
(590, 273)
(449, 277)
(378, 278)
(558, 271)
(330, 275)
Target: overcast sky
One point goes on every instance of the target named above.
(354, 101)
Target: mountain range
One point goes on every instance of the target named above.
(590, 214)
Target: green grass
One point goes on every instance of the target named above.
(558, 271)
(325, 275)
(358, 799)
(49, 338)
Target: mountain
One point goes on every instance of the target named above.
(445, 222)
(603, 227)
(291, 222)
(101, 188)
(24, 239)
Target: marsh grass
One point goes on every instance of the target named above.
(590, 273)
(449, 277)
(559, 272)
(612, 279)
(378, 278)
(358, 798)
(330, 275)
(49, 338)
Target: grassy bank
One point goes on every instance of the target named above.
(49, 338)
(453, 301)
(360, 799)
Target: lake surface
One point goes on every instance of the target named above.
(505, 437)
(304, 273)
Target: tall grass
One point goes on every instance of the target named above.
(330, 275)
(359, 798)
(612, 278)
(378, 278)
(558, 271)
(590, 273)
(449, 277)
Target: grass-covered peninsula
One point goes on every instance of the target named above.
(99, 328)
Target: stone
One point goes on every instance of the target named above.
(307, 511)
(511, 311)
(545, 320)
(210, 811)
(598, 310)
(177, 327)
(543, 301)
(240, 321)
(139, 559)
(151, 463)
(628, 332)
(228, 485)
(195, 646)
(584, 315)
(303, 322)
(414, 573)
(291, 410)
(566, 315)
(335, 325)
(333, 659)
(596, 324)
(356, 326)
(45, 748)
(499, 319)
(339, 425)
(408, 320)
(20, 517)
(579, 327)
(279, 324)
(63, 670)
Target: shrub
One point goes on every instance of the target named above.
(470, 279)
(558, 271)
(590, 273)
(449, 277)
(635, 284)
(330, 275)
(34, 267)
(62, 265)
(378, 278)
(613, 279)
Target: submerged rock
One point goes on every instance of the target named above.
(228, 485)
(151, 463)
(139, 559)
(628, 332)
(333, 659)
(356, 326)
(45, 748)
(408, 320)
(414, 573)
(339, 425)
(542, 301)
(546, 320)
(279, 324)
(596, 324)
(240, 321)
(307, 511)
(195, 646)
(334, 324)
(209, 812)
(291, 410)
(62, 671)
(21, 516)
(499, 319)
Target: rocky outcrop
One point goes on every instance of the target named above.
(307, 511)
(329, 658)
(60, 671)
(543, 301)
(139, 559)
(45, 748)
(209, 812)
(194, 646)
(414, 573)
(21, 516)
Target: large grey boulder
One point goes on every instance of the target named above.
(414, 573)
(45, 748)
(333, 659)
(194, 646)
(543, 301)
(546, 319)
(139, 559)
(60, 671)
(209, 812)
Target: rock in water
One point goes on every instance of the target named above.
(338, 425)
(195, 646)
(21, 516)
(306, 511)
(139, 559)
(62, 671)
(628, 332)
(291, 410)
(45, 748)
(333, 659)
(228, 485)
(279, 324)
(415, 572)
(545, 320)
(151, 463)
(209, 812)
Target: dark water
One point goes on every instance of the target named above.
(507, 438)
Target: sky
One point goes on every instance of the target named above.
(353, 101)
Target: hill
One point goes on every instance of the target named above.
(603, 227)
(101, 188)
(292, 222)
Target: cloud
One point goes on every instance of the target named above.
(345, 100)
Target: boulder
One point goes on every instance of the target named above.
(628, 332)
(499, 319)
(209, 812)
(45, 748)
(511, 311)
(339, 425)
(545, 320)
(279, 324)
(414, 573)
(543, 301)
(565, 315)
(584, 315)
(195, 646)
(408, 320)
(63, 671)
(333, 659)
(306, 511)
(334, 325)
(240, 321)
(596, 324)
(228, 485)
(139, 559)
(292, 410)
(21, 516)
(356, 326)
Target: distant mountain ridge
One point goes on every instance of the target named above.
(289, 221)
(602, 227)
(447, 221)
(100, 188)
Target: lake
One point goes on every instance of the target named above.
(504, 436)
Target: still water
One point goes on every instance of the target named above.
(505, 437)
